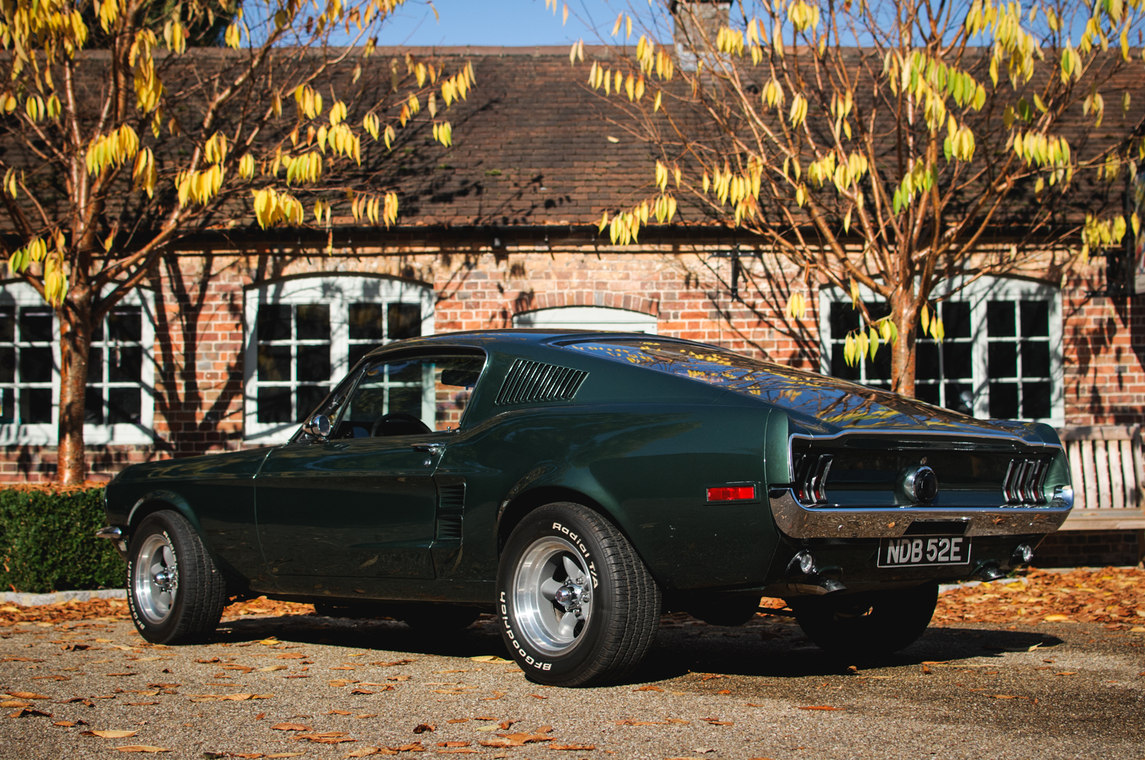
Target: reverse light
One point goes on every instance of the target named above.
(731, 493)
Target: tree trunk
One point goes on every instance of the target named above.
(75, 340)
(905, 315)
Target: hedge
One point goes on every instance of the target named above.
(47, 540)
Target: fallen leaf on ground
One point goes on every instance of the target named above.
(141, 748)
(109, 734)
(489, 658)
(327, 737)
(515, 740)
(29, 712)
(289, 727)
(422, 728)
(27, 695)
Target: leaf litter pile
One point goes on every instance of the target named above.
(1113, 597)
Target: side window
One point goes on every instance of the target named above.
(304, 334)
(409, 396)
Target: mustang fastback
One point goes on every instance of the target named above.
(577, 485)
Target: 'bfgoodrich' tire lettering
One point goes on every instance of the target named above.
(577, 604)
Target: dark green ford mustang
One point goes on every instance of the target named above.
(580, 484)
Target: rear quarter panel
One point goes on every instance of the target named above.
(646, 465)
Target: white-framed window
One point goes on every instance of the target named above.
(304, 334)
(587, 318)
(1001, 357)
(118, 404)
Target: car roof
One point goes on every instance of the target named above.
(517, 336)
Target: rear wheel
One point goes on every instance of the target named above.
(577, 604)
(876, 623)
(175, 592)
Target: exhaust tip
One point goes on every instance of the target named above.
(1023, 554)
(990, 572)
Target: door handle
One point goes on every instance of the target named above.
(431, 450)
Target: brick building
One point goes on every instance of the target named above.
(241, 331)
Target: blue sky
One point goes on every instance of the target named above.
(500, 22)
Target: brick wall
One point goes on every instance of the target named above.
(1091, 548)
(199, 298)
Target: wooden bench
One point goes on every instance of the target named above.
(1107, 466)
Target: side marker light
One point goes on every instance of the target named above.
(731, 493)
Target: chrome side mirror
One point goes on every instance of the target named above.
(319, 426)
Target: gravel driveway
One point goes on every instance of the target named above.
(315, 687)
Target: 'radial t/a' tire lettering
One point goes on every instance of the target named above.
(576, 604)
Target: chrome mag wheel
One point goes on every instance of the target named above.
(156, 580)
(553, 595)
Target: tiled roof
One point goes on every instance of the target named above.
(533, 146)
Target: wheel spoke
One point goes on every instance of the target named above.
(572, 568)
(567, 626)
(168, 556)
(155, 569)
(549, 588)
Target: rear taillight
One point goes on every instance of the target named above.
(1025, 482)
(811, 478)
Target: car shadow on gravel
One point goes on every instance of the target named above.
(766, 647)
(482, 638)
(780, 650)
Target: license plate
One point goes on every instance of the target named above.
(923, 551)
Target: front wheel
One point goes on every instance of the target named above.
(174, 591)
(578, 607)
(872, 624)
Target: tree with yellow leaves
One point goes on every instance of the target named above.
(881, 145)
(113, 155)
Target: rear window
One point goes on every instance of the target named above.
(708, 364)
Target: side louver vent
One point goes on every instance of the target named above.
(529, 382)
(450, 507)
